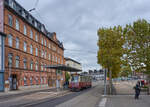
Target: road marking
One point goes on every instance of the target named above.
(102, 103)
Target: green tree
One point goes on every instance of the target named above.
(138, 46)
(111, 49)
(110, 43)
(67, 76)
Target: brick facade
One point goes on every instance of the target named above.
(31, 76)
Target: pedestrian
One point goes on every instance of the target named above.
(137, 91)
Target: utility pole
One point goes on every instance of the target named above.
(110, 81)
(105, 82)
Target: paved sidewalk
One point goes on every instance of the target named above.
(16, 93)
(125, 97)
(127, 101)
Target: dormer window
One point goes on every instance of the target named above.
(35, 23)
(23, 14)
(27, 16)
(10, 3)
(42, 28)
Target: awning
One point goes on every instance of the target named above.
(63, 68)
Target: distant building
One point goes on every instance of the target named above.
(97, 74)
(73, 63)
(29, 47)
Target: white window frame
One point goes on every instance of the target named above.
(31, 34)
(17, 42)
(25, 30)
(25, 46)
(36, 51)
(10, 40)
(31, 65)
(31, 49)
(10, 20)
(17, 24)
(17, 61)
(36, 66)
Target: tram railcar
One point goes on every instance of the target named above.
(79, 82)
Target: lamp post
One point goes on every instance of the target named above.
(105, 82)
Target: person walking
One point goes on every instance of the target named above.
(137, 91)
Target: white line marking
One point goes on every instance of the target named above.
(102, 102)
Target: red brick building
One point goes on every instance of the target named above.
(29, 47)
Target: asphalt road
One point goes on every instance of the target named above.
(89, 97)
(86, 98)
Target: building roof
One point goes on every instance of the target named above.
(63, 68)
(25, 15)
(70, 59)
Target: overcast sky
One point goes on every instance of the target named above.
(76, 22)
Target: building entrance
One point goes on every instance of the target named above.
(14, 82)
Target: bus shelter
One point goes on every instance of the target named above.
(62, 68)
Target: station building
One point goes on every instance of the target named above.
(29, 47)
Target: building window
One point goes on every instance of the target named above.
(17, 43)
(23, 13)
(25, 81)
(45, 54)
(56, 59)
(31, 34)
(45, 67)
(45, 42)
(10, 20)
(36, 51)
(59, 60)
(10, 2)
(25, 30)
(53, 58)
(49, 57)
(10, 55)
(17, 24)
(49, 46)
(17, 61)
(36, 66)
(25, 63)
(10, 38)
(31, 82)
(31, 65)
(36, 37)
(42, 67)
(42, 54)
(31, 49)
(25, 46)
(37, 80)
(42, 41)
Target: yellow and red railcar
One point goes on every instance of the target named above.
(79, 82)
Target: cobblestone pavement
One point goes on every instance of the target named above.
(127, 101)
(125, 97)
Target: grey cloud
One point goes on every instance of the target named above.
(76, 21)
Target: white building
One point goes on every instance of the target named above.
(73, 63)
